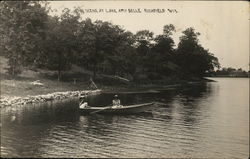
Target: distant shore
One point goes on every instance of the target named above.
(228, 76)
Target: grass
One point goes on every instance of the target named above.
(24, 88)
(22, 85)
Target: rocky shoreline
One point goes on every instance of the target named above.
(14, 101)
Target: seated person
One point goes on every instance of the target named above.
(116, 102)
(83, 102)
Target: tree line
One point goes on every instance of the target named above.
(230, 72)
(32, 37)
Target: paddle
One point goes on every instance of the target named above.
(99, 110)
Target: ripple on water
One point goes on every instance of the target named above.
(196, 122)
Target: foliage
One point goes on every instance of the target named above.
(32, 37)
(230, 72)
(162, 51)
(193, 59)
(22, 28)
(60, 43)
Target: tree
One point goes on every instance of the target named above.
(163, 50)
(121, 52)
(103, 45)
(144, 41)
(61, 42)
(22, 29)
(192, 57)
(31, 37)
(92, 43)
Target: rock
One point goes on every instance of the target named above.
(37, 82)
(8, 101)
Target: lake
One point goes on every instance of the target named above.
(200, 120)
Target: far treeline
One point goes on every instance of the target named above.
(32, 37)
(230, 72)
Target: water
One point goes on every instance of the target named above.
(203, 120)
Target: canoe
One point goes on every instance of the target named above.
(131, 109)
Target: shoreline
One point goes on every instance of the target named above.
(6, 101)
(9, 100)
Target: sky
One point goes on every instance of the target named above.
(224, 25)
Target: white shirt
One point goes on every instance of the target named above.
(84, 105)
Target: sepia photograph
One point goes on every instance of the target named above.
(124, 79)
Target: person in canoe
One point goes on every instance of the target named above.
(83, 101)
(116, 102)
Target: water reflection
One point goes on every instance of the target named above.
(193, 122)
